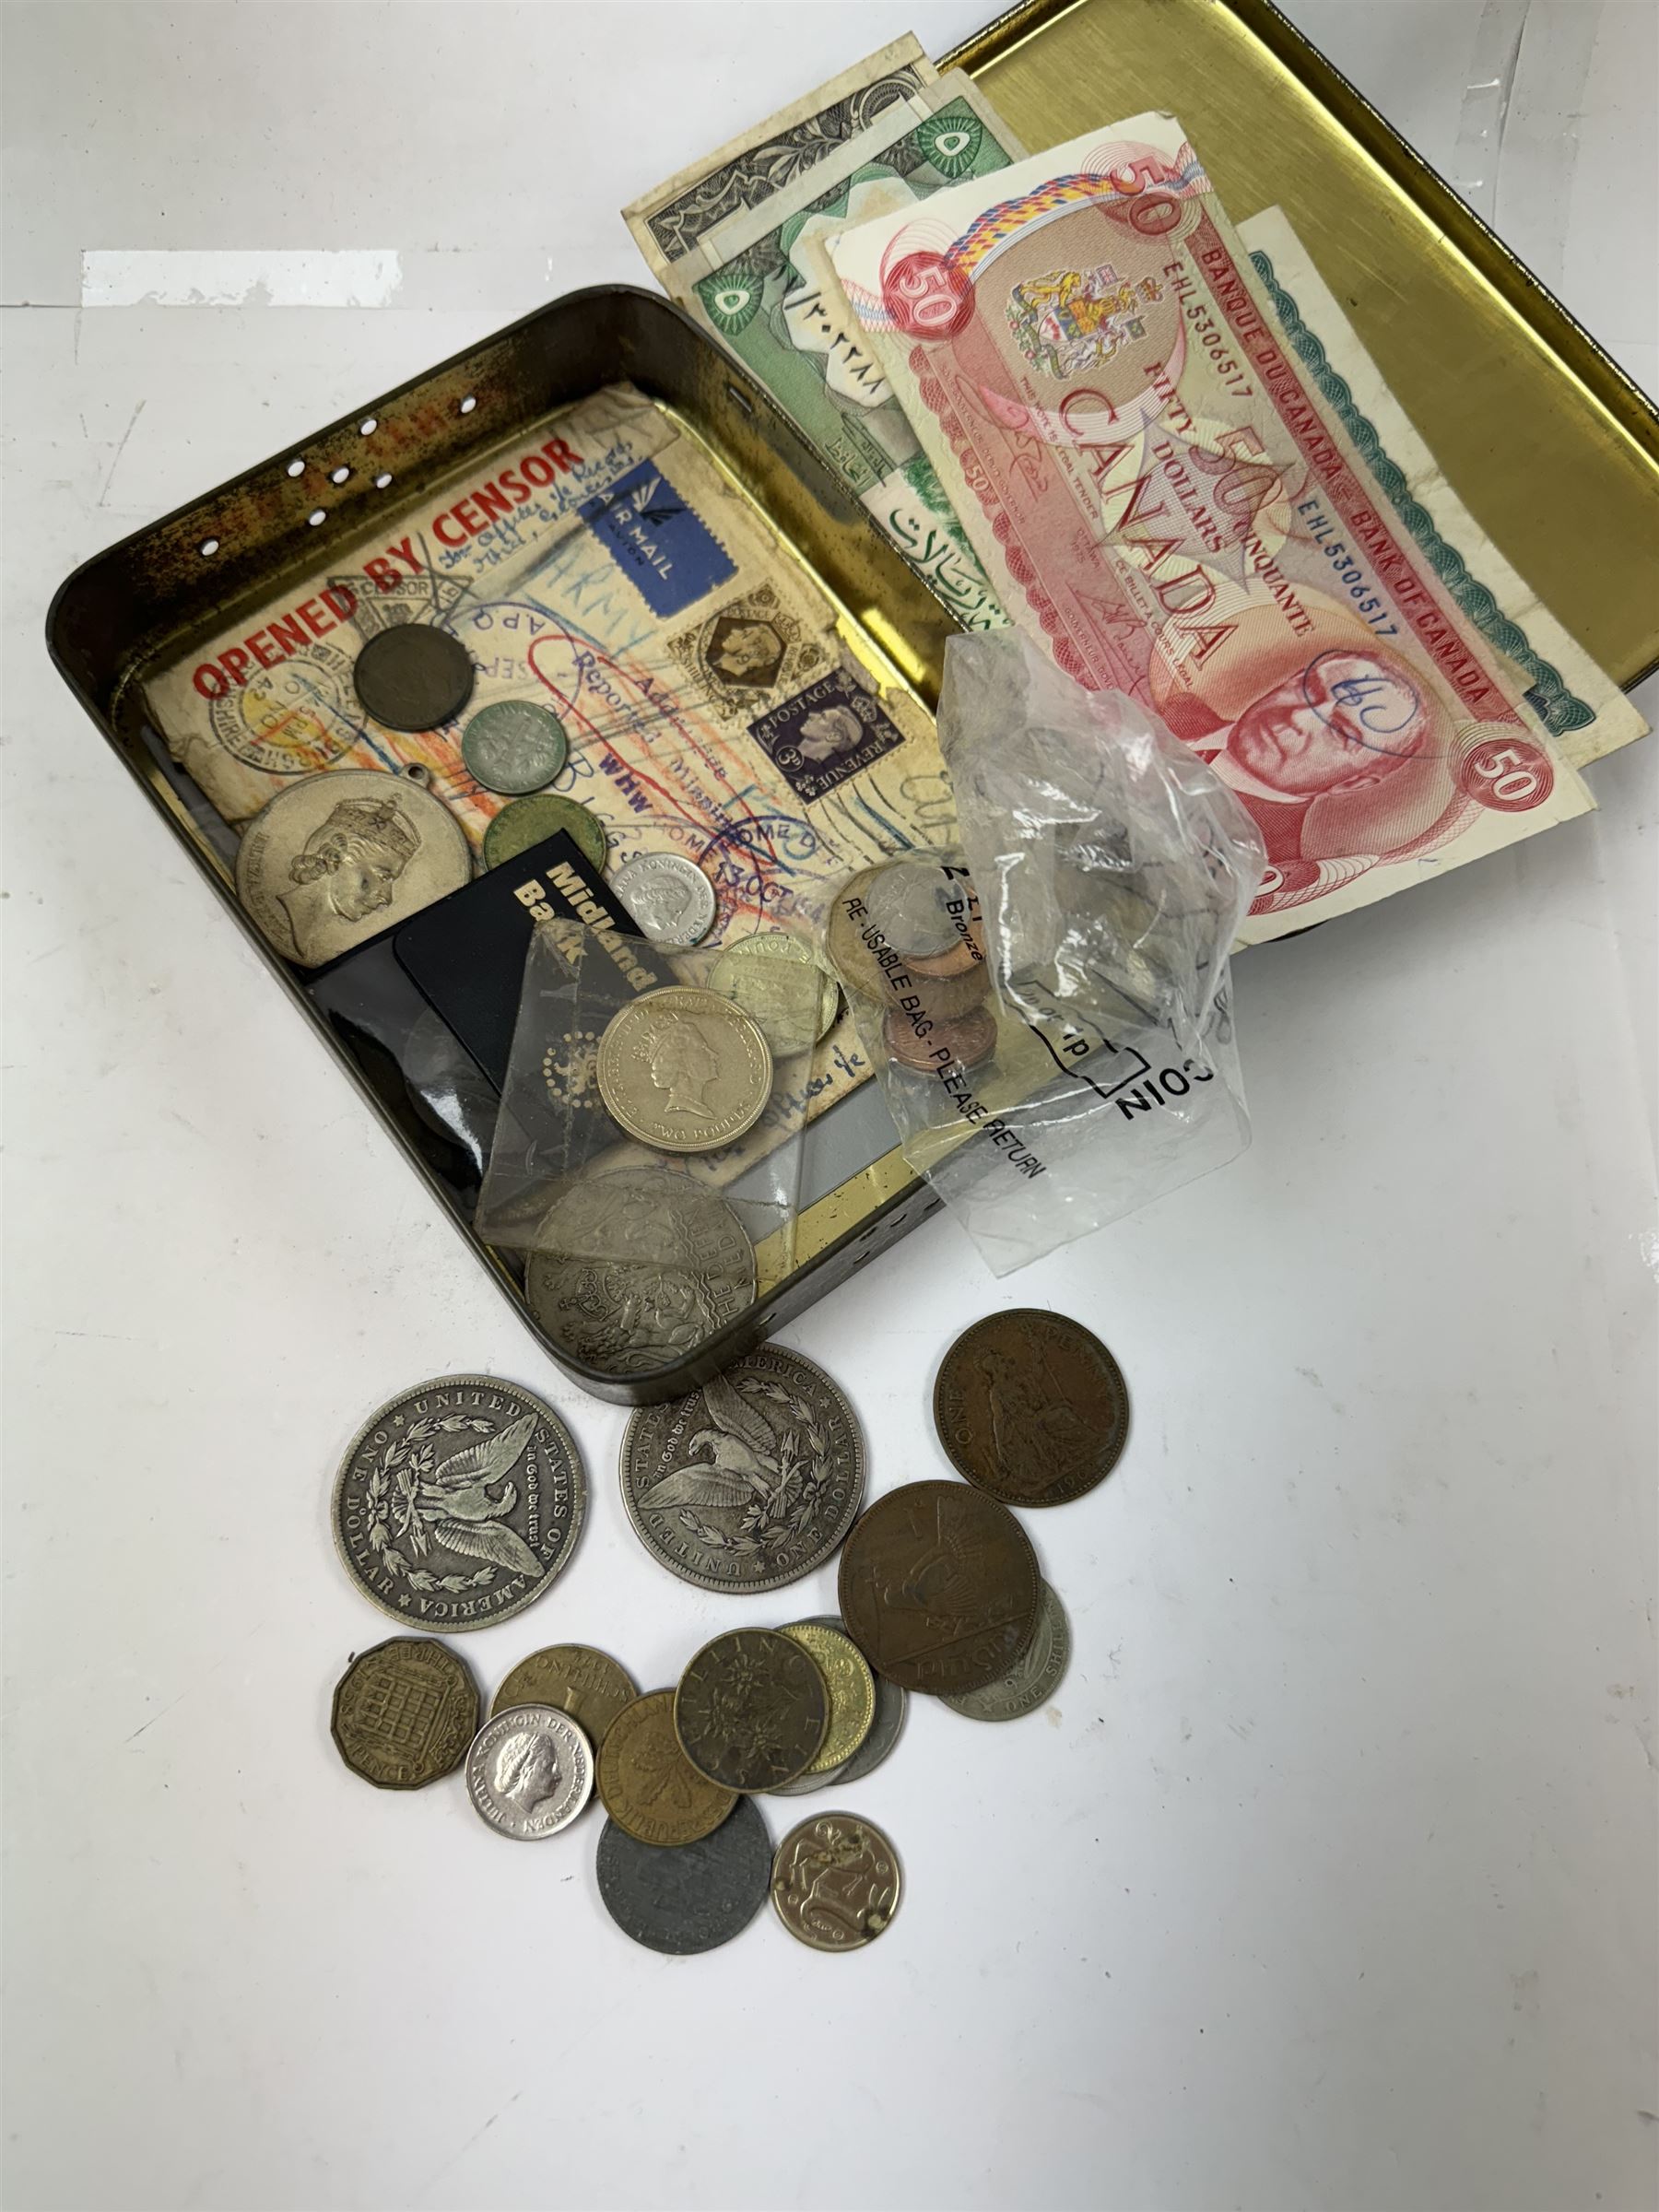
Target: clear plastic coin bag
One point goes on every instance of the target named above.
(646, 1156)
(1049, 1003)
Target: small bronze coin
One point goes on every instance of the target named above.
(940, 1587)
(404, 1712)
(964, 1043)
(586, 1684)
(1032, 1407)
(752, 1710)
(413, 676)
(648, 1786)
(835, 1882)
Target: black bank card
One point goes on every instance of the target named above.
(466, 953)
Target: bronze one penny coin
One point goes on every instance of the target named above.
(413, 676)
(940, 1587)
(1032, 1407)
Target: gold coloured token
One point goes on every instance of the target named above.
(684, 1070)
(586, 1684)
(835, 1882)
(648, 1786)
(850, 1685)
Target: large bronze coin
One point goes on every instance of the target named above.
(1032, 1407)
(648, 1786)
(752, 1710)
(404, 1712)
(413, 676)
(940, 1587)
(586, 1684)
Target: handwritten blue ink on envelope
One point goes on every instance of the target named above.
(666, 548)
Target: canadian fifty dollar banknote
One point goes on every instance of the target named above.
(1175, 463)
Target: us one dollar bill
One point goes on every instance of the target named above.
(1165, 495)
(668, 221)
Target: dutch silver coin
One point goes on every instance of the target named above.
(458, 1503)
(339, 858)
(751, 1481)
(669, 895)
(529, 1772)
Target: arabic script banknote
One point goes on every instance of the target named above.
(1160, 492)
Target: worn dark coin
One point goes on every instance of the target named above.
(836, 1882)
(404, 1712)
(646, 1782)
(586, 1684)
(526, 822)
(691, 1897)
(1032, 1407)
(513, 745)
(458, 1503)
(749, 1482)
(1031, 1680)
(413, 676)
(752, 1710)
(940, 1587)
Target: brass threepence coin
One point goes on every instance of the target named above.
(526, 822)
(852, 1688)
(513, 745)
(633, 1268)
(749, 1482)
(586, 1684)
(835, 1882)
(751, 1710)
(458, 1503)
(780, 987)
(413, 676)
(940, 1587)
(340, 856)
(1032, 1407)
(694, 1896)
(684, 1070)
(1034, 1677)
(404, 1712)
(529, 1772)
(648, 1786)
(669, 895)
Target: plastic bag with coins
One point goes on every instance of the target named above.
(1049, 1002)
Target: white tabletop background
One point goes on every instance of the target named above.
(1327, 1879)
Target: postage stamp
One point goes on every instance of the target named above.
(747, 652)
(824, 734)
(658, 539)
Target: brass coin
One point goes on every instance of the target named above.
(850, 1685)
(782, 989)
(684, 1070)
(940, 1587)
(836, 1882)
(586, 1684)
(413, 676)
(648, 1786)
(752, 1710)
(1032, 1407)
(405, 1713)
(525, 822)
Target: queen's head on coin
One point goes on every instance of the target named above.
(526, 1774)
(681, 1063)
(347, 869)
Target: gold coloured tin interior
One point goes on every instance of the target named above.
(1532, 420)
(1550, 445)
